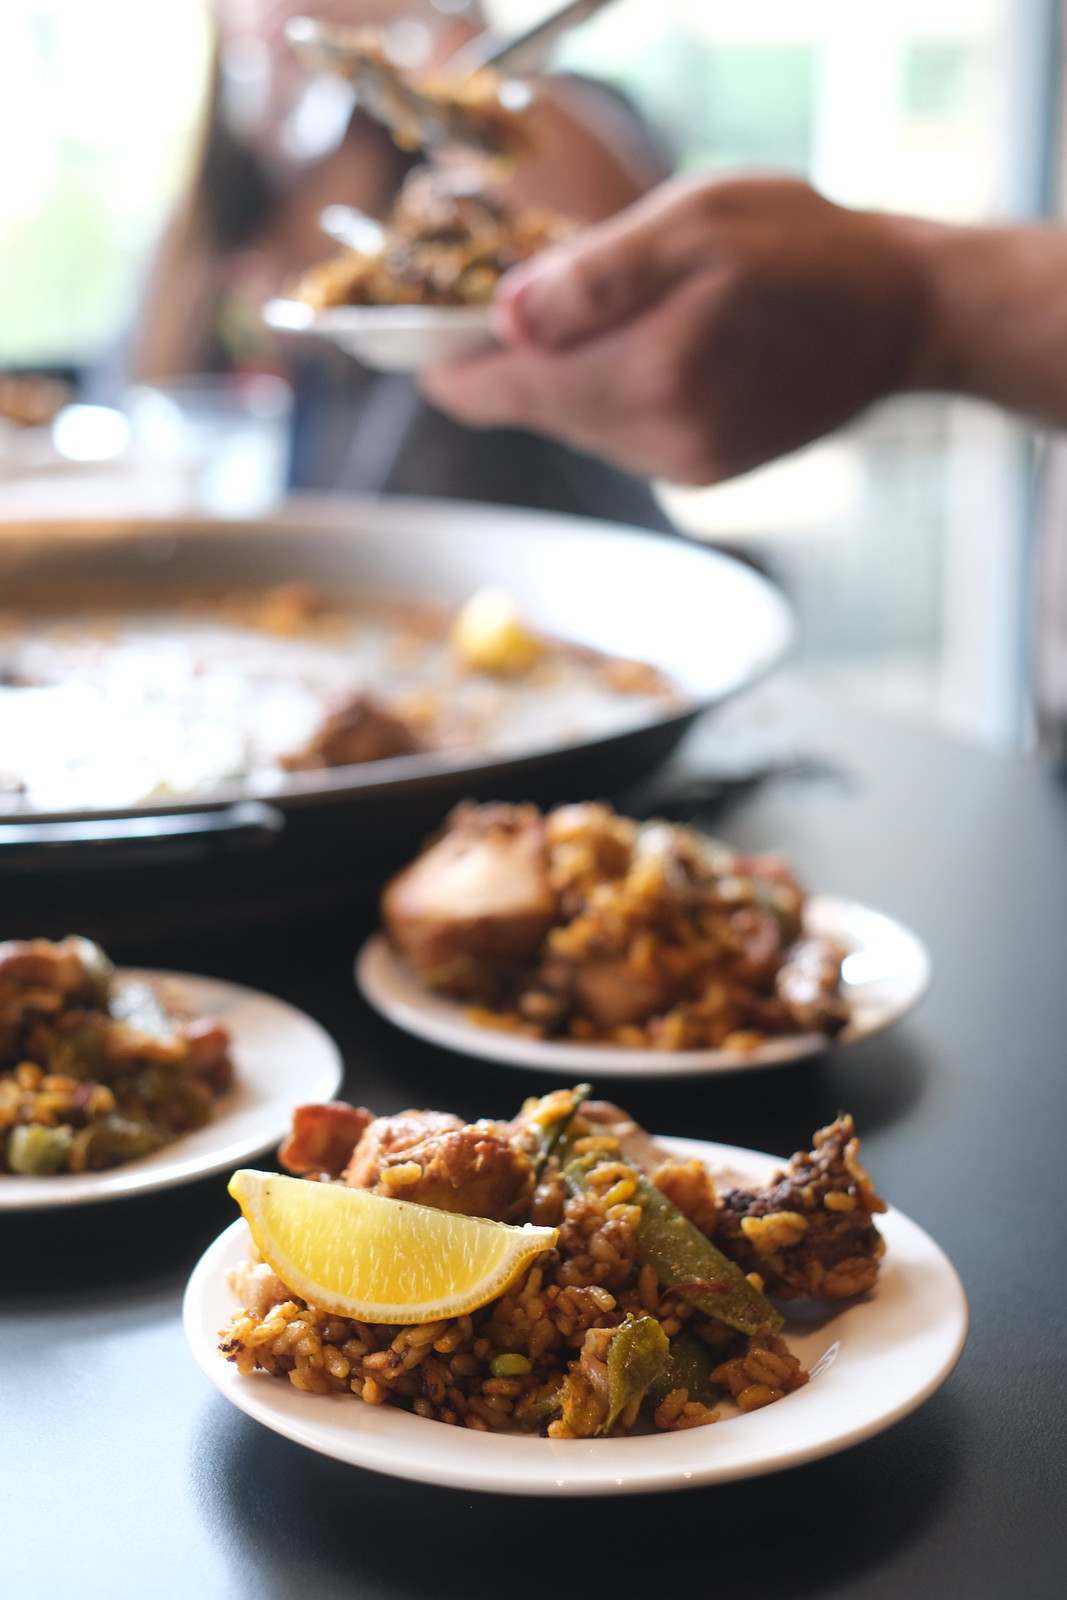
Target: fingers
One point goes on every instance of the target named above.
(633, 396)
(608, 273)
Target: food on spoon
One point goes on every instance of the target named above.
(588, 925)
(96, 1067)
(477, 110)
(623, 1309)
(443, 245)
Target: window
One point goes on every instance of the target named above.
(98, 105)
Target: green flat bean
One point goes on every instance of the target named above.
(688, 1366)
(554, 1130)
(685, 1260)
(636, 1356)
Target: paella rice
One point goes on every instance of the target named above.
(96, 1067)
(590, 926)
(617, 1328)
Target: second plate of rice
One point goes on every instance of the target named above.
(884, 976)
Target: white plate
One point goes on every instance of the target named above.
(389, 338)
(871, 1364)
(281, 1059)
(885, 975)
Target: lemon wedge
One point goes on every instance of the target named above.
(363, 1255)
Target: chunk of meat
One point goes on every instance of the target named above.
(323, 1138)
(809, 1232)
(809, 983)
(208, 1044)
(616, 992)
(386, 1141)
(358, 731)
(45, 987)
(437, 1160)
(73, 968)
(477, 901)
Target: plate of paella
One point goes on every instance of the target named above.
(564, 1305)
(120, 1081)
(582, 942)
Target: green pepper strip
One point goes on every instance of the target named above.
(541, 1409)
(689, 1366)
(637, 1354)
(681, 1255)
(552, 1132)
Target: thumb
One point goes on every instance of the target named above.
(603, 277)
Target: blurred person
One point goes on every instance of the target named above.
(249, 223)
(719, 323)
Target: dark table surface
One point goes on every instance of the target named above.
(122, 1473)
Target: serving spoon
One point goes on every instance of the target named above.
(418, 117)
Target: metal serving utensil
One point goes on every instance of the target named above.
(417, 118)
(526, 51)
(414, 118)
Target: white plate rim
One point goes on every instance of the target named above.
(297, 317)
(216, 1150)
(839, 1408)
(388, 985)
(391, 338)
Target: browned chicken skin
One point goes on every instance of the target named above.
(358, 731)
(323, 1138)
(437, 1160)
(40, 964)
(479, 899)
(430, 1157)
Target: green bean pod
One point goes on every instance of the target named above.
(688, 1366)
(685, 1260)
(636, 1356)
(553, 1131)
(682, 1258)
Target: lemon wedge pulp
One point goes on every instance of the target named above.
(366, 1256)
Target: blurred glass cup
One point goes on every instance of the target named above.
(217, 443)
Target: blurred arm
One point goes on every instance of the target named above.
(720, 323)
(995, 325)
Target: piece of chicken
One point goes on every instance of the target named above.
(476, 902)
(809, 1232)
(437, 1160)
(358, 731)
(74, 969)
(809, 983)
(38, 981)
(323, 1138)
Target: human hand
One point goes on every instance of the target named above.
(710, 327)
